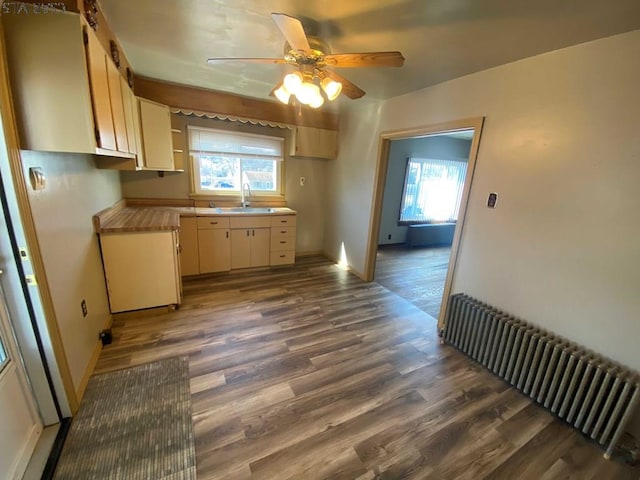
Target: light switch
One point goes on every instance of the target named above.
(492, 200)
(302, 181)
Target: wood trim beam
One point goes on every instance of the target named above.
(194, 98)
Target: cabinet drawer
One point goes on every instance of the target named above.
(282, 243)
(250, 222)
(283, 221)
(283, 258)
(213, 222)
(282, 232)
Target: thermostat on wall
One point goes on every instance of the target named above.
(492, 200)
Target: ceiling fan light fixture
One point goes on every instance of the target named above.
(282, 94)
(317, 102)
(308, 93)
(331, 88)
(293, 81)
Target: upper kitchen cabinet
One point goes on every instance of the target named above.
(313, 142)
(157, 142)
(49, 82)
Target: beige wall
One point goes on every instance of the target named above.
(62, 213)
(560, 146)
(309, 201)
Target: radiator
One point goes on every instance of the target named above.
(591, 393)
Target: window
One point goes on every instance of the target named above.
(432, 190)
(223, 161)
(4, 359)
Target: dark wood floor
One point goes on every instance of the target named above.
(416, 274)
(307, 372)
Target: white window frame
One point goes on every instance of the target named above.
(195, 151)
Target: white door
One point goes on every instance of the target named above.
(21, 425)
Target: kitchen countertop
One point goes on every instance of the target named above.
(119, 218)
(136, 219)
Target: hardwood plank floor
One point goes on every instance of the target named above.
(306, 372)
(416, 274)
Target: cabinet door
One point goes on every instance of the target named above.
(155, 123)
(129, 116)
(214, 249)
(241, 251)
(189, 257)
(117, 107)
(260, 243)
(314, 142)
(140, 269)
(47, 63)
(98, 79)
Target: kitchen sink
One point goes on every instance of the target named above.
(245, 210)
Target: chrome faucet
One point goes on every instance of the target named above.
(247, 202)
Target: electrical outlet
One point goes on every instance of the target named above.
(302, 181)
(389, 237)
(83, 305)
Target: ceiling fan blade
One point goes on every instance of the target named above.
(369, 59)
(218, 61)
(351, 90)
(292, 30)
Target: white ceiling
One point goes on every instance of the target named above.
(440, 39)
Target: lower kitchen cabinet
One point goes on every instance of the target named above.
(250, 247)
(189, 255)
(141, 268)
(214, 244)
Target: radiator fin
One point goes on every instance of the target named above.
(586, 390)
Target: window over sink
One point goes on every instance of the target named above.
(224, 161)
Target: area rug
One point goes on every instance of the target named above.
(133, 424)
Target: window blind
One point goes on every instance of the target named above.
(224, 143)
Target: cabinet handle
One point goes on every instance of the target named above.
(282, 256)
(253, 233)
(247, 233)
(213, 223)
(283, 221)
(283, 241)
(227, 234)
(283, 231)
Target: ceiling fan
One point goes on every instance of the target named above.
(311, 57)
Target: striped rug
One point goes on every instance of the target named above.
(133, 424)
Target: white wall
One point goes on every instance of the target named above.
(62, 212)
(309, 201)
(561, 147)
(440, 147)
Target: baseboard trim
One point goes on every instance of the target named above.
(93, 361)
(349, 268)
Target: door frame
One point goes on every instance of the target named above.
(384, 142)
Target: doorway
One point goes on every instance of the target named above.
(467, 128)
(19, 416)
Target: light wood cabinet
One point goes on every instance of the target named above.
(214, 244)
(189, 255)
(116, 97)
(250, 247)
(283, 240)
(97, 62)
(250, 239)
(142, 269)
(245, 241)
(157, 145)
(313, 142)
(49, 81)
